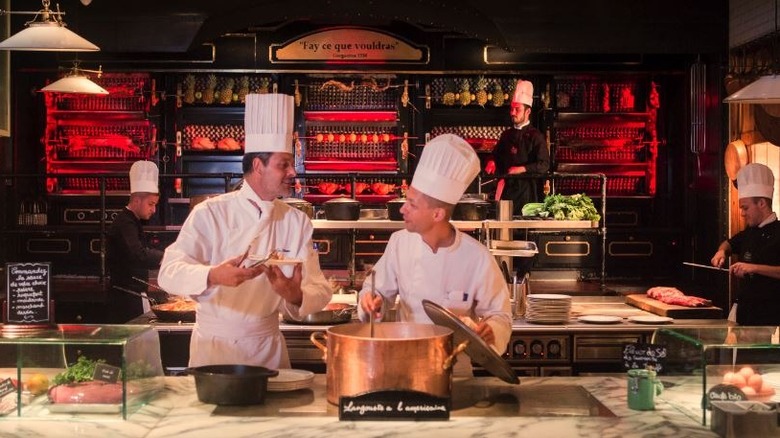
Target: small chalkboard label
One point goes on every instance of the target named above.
(394, 405)
(724, 392)
(6, 387)
(641, 356)
(106, 373)
(28, 286)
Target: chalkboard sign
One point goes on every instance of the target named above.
(28, 286)
(394, 405)
(106, 373)
(6, 387)
(641, 356)
(721, 392)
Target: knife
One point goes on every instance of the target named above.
(697, 265)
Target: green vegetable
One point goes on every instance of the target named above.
(81, 371)
(574, 208)
(532, 209)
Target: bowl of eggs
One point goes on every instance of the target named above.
(751, 383)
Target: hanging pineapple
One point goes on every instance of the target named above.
(481, 94)
(226, 93)
(189, 89)
(464, 96)
(498, 95)
(297, 94)
(263, 87)
(448, 98)
(243, 88)
(211, 85)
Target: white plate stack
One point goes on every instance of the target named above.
(548, 308)
(290, 380)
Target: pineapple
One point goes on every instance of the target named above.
(211, 85)
(498, 95)
(243, 88)
(226, 93)
(481, 94)
(263, 87)
(189, 89)
(464, 97)
(448, 98)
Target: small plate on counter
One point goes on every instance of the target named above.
(290, 380)
(600, 319)
(650, 319)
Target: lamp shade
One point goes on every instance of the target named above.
(75, 84)
(764, 90)
(47, 36)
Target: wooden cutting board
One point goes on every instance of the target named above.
(652, 305)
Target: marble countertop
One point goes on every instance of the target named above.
(306, 413)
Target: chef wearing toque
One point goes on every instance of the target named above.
(128, 255)
(432, 260)
(238, 304)
(757, 248)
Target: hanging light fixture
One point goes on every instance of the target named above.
(76, 82)
(46, 32)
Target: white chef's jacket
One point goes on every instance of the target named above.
(240, 325)
(463, 278)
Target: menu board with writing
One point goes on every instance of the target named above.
(644, 356)
(28, 286)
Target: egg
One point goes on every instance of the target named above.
(746, 372)
(755, 381)
(738, 380)
(728, 378)
(749, 391)
(766, 389)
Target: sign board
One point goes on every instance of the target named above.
(394, 405)
(721, 392)
(106, 373)
(641, 356)
(29, 289)
(349, 45)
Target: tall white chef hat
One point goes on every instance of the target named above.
(143, 177)
(524, 93)
(755, 180)
(268, 123)
(447, 166)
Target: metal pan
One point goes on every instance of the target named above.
(159, 308)
(325, 317)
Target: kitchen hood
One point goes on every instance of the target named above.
(764, 90)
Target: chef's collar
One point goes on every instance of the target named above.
(771, 218)
(246, 192)
(523, 125)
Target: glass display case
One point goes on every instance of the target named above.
(95, 371)
(735, 363)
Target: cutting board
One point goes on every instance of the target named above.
(652, 305)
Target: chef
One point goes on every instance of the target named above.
(128, 255)
(757, 248)
(213, 259)
(432, 260)
(520, 149)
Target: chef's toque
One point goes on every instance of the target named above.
(143, 177)
(268, 123)
(447, 166)
(524, 94)
(755, 180)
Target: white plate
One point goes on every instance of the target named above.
(650, 319)
(278, 262)
(290, 380)
(600, 319)
(549, 297)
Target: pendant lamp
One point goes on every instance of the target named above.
(76, 82)
(46, 32)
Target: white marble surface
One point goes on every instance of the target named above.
(177, 412)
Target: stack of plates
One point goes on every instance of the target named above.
(548, 308)
(290, 380)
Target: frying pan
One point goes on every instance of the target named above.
(159, 310)
(325, 317)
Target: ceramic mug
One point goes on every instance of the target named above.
(642, 389)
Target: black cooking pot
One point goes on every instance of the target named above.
(342, 209)
(231, 384)
(394, 209)
(470, 209)
(300, 204)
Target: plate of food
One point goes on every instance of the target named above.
(600, 319)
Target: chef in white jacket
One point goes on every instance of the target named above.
(432, 260)
(211, 261)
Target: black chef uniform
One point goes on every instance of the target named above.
(521, 147)
(759, 295)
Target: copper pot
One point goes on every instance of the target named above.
(399, 356)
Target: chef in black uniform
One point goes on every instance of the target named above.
(128, 255)
(520, 149)
(757, 248)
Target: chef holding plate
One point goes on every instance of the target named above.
(218, 256)
(432, 260)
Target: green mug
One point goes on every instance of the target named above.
(642, 389)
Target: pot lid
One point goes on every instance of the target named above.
(294, 201)
(477, 349)
(399, 200)
(342, 200)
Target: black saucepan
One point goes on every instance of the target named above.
(394, 209)
(342, 209)
(231, 384)
(470, 209)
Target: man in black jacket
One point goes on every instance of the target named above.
(128, 255)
